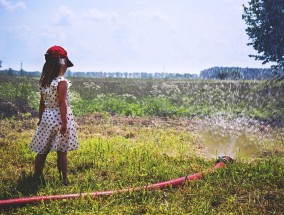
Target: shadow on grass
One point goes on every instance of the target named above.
(25, 186)
(28, 185)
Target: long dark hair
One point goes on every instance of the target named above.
(50, 70)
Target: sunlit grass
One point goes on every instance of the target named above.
(164, 98)
(151, 131)
(117, 152)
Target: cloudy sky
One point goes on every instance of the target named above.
(181, 36)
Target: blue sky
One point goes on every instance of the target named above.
(182, 36)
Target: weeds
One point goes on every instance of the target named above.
(162, 98)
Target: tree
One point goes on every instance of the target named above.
(235, 74)
(222, 74)
(265, 28)
(0, 63)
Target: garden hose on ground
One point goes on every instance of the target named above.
(222, 161)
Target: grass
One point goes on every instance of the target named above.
(134, 97)
(163, 98)
(137, 132)
(120, 152)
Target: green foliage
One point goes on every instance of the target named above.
(172, 99)
(17, 88)
(179, 98)
(265, 28)
(237, 73)
(169, 98)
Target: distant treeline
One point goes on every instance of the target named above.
(237, 73)
(20, 73)
(221, 73)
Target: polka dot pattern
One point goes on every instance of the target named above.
(47, 136)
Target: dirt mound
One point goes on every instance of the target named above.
(15, 109)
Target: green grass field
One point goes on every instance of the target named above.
(145, 146)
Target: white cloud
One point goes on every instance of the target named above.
(154, 16)
(65, 16)
(96, 15)
(8, 5)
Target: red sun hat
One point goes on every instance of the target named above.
(57, 52)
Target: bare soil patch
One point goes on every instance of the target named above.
(16, 109)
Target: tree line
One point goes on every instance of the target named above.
(218, 73)
(237, 73)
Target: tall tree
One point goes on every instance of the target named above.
(265, 28)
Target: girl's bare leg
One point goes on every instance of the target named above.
(39, 164)
(62, 166)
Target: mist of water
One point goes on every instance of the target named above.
(235, 137)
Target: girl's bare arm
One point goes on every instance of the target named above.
(62, 94)
(41, 108)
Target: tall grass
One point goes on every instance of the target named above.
(179, 98)
(166, 98)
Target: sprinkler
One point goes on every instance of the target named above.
(222, 161)
(225, 159)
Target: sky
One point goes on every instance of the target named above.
(181, 36)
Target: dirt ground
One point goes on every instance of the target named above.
(15, 109)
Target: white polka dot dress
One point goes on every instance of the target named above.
(47, 136)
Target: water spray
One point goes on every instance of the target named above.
(222, 161)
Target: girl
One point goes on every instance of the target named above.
(56, 127)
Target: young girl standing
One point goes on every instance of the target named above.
(56, 127)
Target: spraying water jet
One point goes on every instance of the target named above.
(239, 136)
(222, 161)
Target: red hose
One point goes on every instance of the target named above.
(161, 185)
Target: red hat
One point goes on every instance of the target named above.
(57, 52)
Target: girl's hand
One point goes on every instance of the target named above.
(63, 128)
